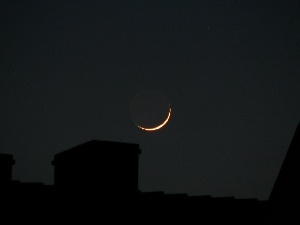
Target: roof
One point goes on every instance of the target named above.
(287, 184)
(6, 158)
(97, 148)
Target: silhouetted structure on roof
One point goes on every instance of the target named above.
(102, 166)
(6, 163)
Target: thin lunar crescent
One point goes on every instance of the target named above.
(159, 126)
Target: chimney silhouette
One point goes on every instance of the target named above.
(98, 166)
(6, 163)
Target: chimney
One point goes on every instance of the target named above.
(6, 163)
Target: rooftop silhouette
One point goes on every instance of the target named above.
(99, 179)
(103, 166)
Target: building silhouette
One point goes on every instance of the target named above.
(103, 166)
(97, 181)
(286, 189)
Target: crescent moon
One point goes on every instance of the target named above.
(159, 126)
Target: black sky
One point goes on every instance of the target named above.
(230, 69)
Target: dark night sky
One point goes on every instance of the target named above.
(230, 69)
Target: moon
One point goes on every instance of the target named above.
(159, 126)
(150, 110)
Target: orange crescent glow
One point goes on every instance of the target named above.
(159, 126)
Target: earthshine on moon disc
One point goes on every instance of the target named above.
(150, 110)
